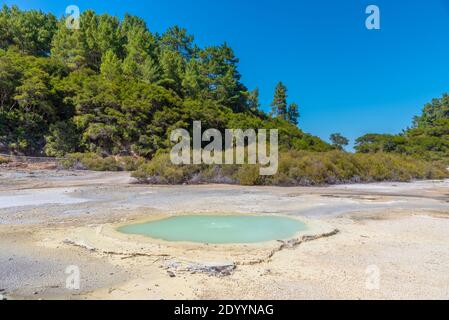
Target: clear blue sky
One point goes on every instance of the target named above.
(345, 78)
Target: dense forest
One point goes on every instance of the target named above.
(106, 96)
(114, 88)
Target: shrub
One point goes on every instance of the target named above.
(4, 160)
(249, 175)
(298, 168)
(91, 161)
(161, 170)
(63, 138)
(129, 163)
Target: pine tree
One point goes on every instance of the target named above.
(191, 82)
(150, 70)
(172, 65)
(32, 31)
(111, 67)
(253, 100)
(108, 35)
(139, 62)
(89, 27)
(220, 76)
(279, 104)
(176, 39)
(100, 34)
(5, 22)
(293, 113)
(116, 88)
(68, 47)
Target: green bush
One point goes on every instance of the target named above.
(298, 168)
(248, 175)
(62, 139)
(92, 161)
(161, 170)
(129, 163)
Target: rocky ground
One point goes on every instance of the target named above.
(392, 240)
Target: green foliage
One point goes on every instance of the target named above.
(113, 92)
(30, 31)
(253, 100)
(67, 47)
(9, 80)
(92, 161)
(249, 175)
(129, 163)
(114, 88)
(293, 113)
(437, 109)
(33, 94)
(339, 141)
(111, 66)
(176, 39)
(303, 168)
(63, 138)
(279, 104)
(427, 139)
(27, 101)
(161, 170)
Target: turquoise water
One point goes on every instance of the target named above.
(218, 229)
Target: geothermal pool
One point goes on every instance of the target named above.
(218, 229)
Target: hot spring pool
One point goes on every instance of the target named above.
(218, 229)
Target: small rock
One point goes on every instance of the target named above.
(213, 269)
(171, 274)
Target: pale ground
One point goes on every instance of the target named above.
(393, 240)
